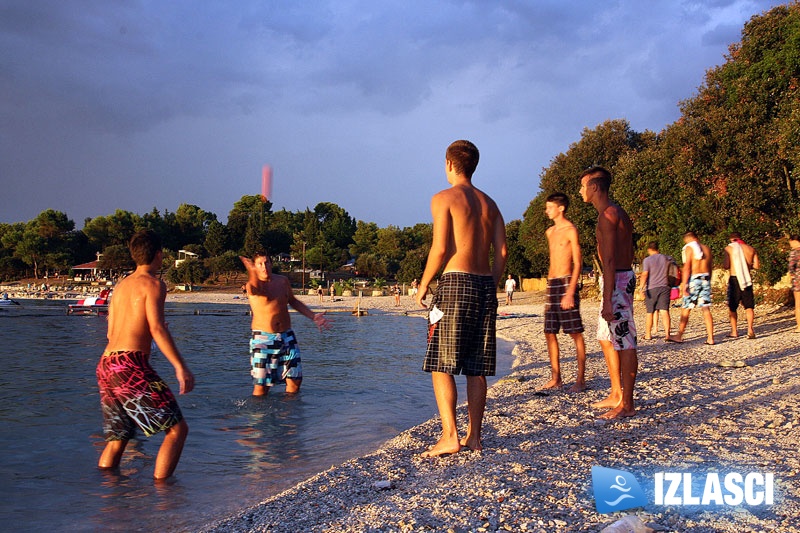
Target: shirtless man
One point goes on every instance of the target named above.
(562, 310)
(131, 393)
(740, 258)
(274, 356)
(696, 284)
(467, 229)
(616, 329)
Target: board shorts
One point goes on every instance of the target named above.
(274, 357)
(657, 299)
(556, 318)
(132, 394)
(699, 292)
(462, 340)
(738, 295)
(621, 331)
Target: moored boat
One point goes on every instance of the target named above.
(93, 305)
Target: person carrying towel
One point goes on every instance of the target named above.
(739, 259)
(696, 285)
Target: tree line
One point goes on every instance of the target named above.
(729, 163)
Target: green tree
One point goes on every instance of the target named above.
(216, 241)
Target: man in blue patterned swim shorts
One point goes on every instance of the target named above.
(616, 329)
(696, 284)
(274, 356)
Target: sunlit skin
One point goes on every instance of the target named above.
(691, 267)
(565, 260)
(615, 248)
(466, 225)
(270, 296)
(751, 258)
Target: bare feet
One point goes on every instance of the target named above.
(442, 448)
(554, 383)
(578, 387)
(618, 412)
(609, 403)
(474, 445)
(648, 338)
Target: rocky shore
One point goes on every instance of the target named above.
(731, 407)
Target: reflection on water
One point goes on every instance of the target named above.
(362, 385)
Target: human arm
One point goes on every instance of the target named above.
(756, 263)
(726, 258)
(643, 280)
(154, 310)
(568, 300)
(606, 244)
(319, 319)
(442, 226)
(686, 270)
(499, 247)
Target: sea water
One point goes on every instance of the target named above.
(362, 385)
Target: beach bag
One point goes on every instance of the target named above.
(673, 274)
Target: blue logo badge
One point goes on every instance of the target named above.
(616, 490)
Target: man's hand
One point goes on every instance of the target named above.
(185, 379)
(567, 301)
(322, 321)
(608, 312)
(421, 294)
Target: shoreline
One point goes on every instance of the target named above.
(534, 473)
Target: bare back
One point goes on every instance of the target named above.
(750, 258)
(615, 238)
(472, 222)
(702, 265)
(136, 305)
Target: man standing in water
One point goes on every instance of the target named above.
(468, 231)
(562, 310)
(616, 329)
(274, 356)
(131, 393)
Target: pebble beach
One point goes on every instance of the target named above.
(728, 407)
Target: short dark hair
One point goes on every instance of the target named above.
(261, 252)
(690, 234)
(144, 245)
(599, 176)
(735, 235)
(652, 245)
(464, 156)
(794, 237)
(559, 198)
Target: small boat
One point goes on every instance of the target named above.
(93, 305)
(5, 301)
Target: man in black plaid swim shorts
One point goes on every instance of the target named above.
(562, 311)
(462, 315)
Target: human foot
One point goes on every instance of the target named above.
(618, 412)
(609, 403)
(472, 444)
(578, 387)
(442, 448)
(554, 383)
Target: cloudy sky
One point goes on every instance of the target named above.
(135, 104)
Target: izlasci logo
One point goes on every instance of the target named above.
(616, 490)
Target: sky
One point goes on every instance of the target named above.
(136, 104)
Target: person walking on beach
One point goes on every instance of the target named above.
(794, 272)
(696, 284)
(468, 230)
(562, 310)
(320, 293)
(274, 355)
(656, 289)
(511, 285)
(616, 329)
(740, 258)
(131, 393)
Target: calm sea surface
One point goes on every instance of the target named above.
(362, 386)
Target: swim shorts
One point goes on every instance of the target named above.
(699, 292)
(132, 394)
(462, 340)
(621, 331)
(556, 318)
(274, 357)
(738, 295)
(657, 299)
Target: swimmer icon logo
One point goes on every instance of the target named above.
(616, 490)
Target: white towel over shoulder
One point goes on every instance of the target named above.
(740, 265)
(695, 246)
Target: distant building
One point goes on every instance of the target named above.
(183, 255)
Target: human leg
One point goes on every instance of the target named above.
(580, 356)
(751, 318)
(709, 320)
(170, 452)
(648, 326)
(476, 406)
(612, 362)
(112, 454)
(682, 324)
(444, 389)
(555, 365)
(293, 385)
(797, 311)
(629, 363)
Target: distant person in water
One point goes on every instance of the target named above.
(616, 329)
(562, 310)
(463, 312)
(131, 393)
(274, 355)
